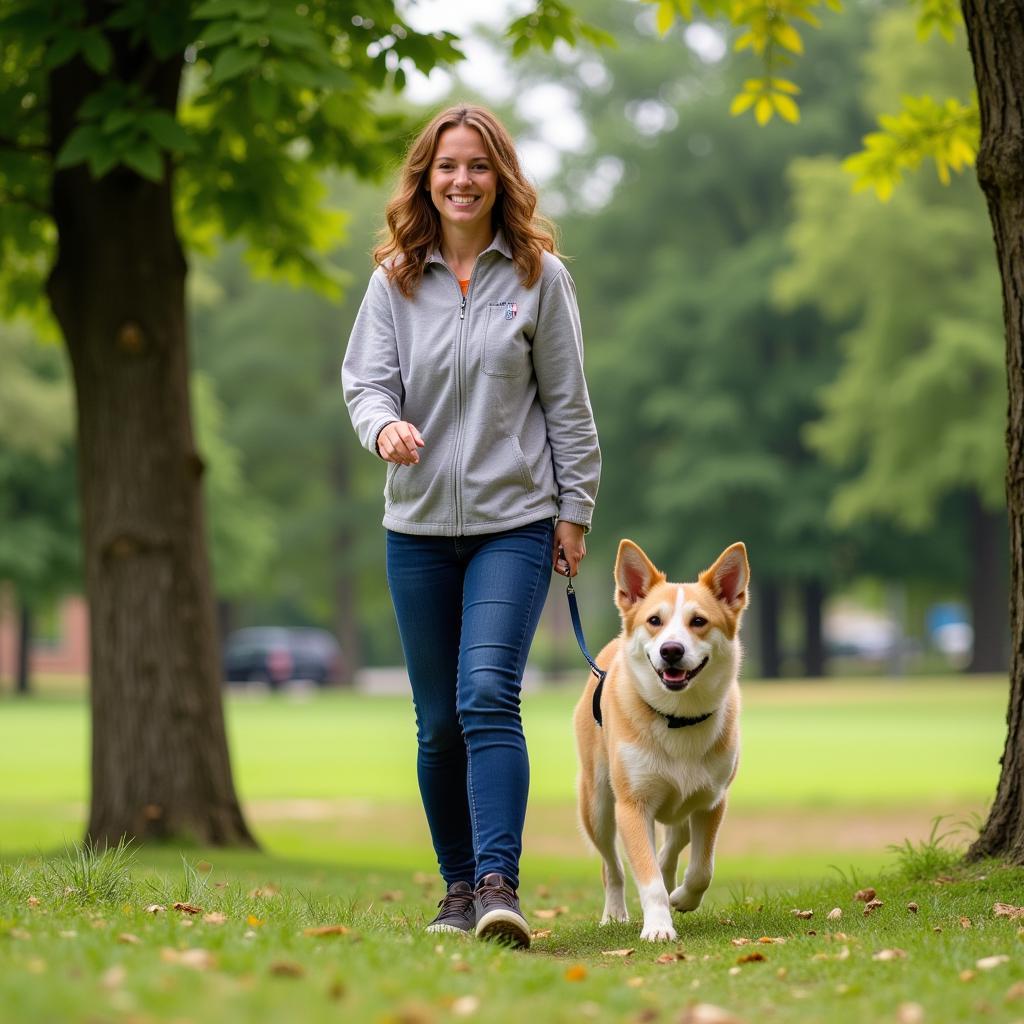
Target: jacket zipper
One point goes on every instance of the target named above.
(459, 403)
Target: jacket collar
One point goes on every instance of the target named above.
(498, 244)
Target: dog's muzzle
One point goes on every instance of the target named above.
(677, 679)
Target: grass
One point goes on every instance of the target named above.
(92, 952)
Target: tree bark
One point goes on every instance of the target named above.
(767, 604)
(995, 32)
(23, 672)
(989, 596)
(160, 766)
(814, 643)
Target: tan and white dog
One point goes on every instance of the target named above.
(668, 745)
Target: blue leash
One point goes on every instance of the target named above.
(574, 613)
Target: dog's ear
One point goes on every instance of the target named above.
(635, 574)
(729, 577)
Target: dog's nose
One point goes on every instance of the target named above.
(672, 653)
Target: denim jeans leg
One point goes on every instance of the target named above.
(506, 584)
(425, 577)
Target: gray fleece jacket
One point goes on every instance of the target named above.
(494, 383)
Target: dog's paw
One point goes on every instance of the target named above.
(683, 899)
(658, 932)
(612, 916)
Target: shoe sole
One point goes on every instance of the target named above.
(433, 928)
(504, 926)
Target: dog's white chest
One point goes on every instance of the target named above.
(673, 787)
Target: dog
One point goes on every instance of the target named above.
(666, 747)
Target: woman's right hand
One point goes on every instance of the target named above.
(398, 442)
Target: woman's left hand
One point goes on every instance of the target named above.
(569, 548)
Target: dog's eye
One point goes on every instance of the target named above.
(654, 620)
(698, 621)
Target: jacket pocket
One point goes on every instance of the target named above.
(506, 352)
(522, 464)
(389, 483)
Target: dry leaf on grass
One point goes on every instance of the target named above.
(286, 969)
(215, 917)
(540, 933)
(987, 963)
(871, 906)
(865, 895)
(113, 977)
(127, 939)
(912, 907)
(740, 941)
(834, 914)
(188, 908)
(671, 958)
(707, 1013)
(751, 958)
(265, 892)
(547, 914)
(910, 1013)
(326, 929)
(576, 973)
(392, 896)
(68, 934)
(1014, 992)
(772, 940)
(34, 901)
(1000, 910)
(890, 954)
(965, 922)
(635, 982)
(617, 952)
(197, 959)
(968, 975)
(804, 915)
(466, 1005)
(155, 908)
(254, 922)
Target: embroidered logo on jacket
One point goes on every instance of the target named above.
(511, 308)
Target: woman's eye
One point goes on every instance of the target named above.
(654, 620)
(698, 621)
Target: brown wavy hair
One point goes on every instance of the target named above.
(413, 228)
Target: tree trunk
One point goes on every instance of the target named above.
(767, 604)
(24, 667)
(160, 765)
(989, 597)
(995, 31)
(814, 645)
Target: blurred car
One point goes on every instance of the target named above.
(281, 654)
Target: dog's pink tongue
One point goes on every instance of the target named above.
(674, 675)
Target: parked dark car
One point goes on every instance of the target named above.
(280, 654)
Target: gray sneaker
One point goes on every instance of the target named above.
(498, 915)
(458, 910)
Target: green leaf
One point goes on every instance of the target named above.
(117, 119)
(232, 62)
(264, 97)
(216, 9)
(97, 52)
(146, 160)
(79, 145)
(166, 132)
(665, 17)
(64, 47)
(218, 32)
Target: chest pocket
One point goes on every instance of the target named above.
(506, 350)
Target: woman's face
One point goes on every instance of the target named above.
(463, 182)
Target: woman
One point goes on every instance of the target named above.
(464, 372)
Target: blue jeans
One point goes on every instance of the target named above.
(467, 609)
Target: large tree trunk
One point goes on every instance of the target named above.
(995, 30)
(814, 643)
(23, 671)
(766, 602)
(160, 765)
(989, 598)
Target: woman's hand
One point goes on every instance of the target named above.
(398, 442)
(569, 548)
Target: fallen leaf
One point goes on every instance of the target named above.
(912, 907)
(286, 969)
(548, 913)
(461, 967)
(670, 958)
(265, 892)
(34, 901)
(707, 1013)
(113, 977)
(965, 922)
(834, 914)
(392, 896)
(735, 970)
(155, 908)
(1000, 910)
(543, 892)
(254, 922)
(68, 934)
(910, 1013)
(770, 940)
(215, 917)
(220, 885)
(751, 958)
(197, 959)
(740, 942)
(646, 1016)
(865, 895)
(987, 963)
(871, 906)
(890, 954)
(617, 952)
(326, 929)
(540, 933)
(188, 908)
(804, 915)
(1014, 992)
(636, 982)
(576, 973)
(204, 865)
(782, 972)
(968, 975)
(464, 1006)
(186, 922)
(127, 939)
